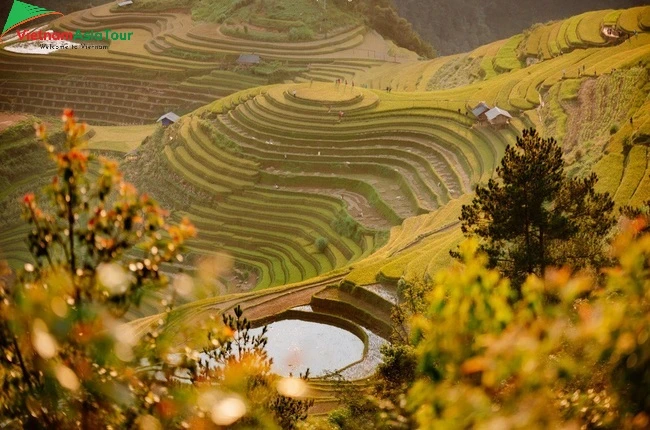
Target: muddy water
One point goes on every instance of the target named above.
(296, 345)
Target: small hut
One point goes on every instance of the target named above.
(125, 3)
(248, 59)
(168, 118)
(480, 110)
(611, 33)
(498, 117)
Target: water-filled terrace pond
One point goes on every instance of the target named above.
(296, 345)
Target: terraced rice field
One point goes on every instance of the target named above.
(281, 245)
(625, 178)
(170, 63)
(415, 158)
(521, 90)
(581, 31)
(294, 134)
(567, 49)
(297, 163)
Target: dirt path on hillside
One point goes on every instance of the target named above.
(579, 112)
(423, 236)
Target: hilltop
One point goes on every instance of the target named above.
(301, 20)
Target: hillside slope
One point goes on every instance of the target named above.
(173, 62)
(568, 79)
(454, 26)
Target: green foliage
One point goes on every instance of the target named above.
(263, 36)
(339, 417)
(533, 216)
(277, 24)
(194, 55)
(359, 411)
(347, 226)
(614, 129)
(218, 138)
(297, 34)
(383, 17)
(321, 244)
(398, 367)
(567, 354)
(277, 71)
(58, 320)
(633, 212)
(205, 10)
(277, 18)
(67, 360)
(382, 406)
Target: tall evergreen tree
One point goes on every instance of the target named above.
(532, 215)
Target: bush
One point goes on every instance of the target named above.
(346, 226)
(614, 129)
(80, 242)
(627, 146)
(573, 352)
(339, 416)
(321, 244)
(398, 365)
(301, 34)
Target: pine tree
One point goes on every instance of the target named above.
(533, 215)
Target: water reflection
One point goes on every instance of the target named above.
(296, 345)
